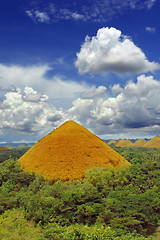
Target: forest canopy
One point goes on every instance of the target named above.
(106, 204)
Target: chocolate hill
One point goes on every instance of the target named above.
(123, 143)
(112, 142)
(153, 143)
(3, 148)
(139, 143)
(68, 152)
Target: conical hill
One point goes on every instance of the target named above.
(154, 142)
(68, 152)
(112, 142)
(139, 143)
(123, 143)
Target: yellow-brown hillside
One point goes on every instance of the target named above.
(139, 143)
(3, 148)
(154, 142)
(123, 143)
(112, 142)
(68, 152)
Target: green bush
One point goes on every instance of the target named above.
(13, 226)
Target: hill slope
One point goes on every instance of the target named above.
(68, 152)
(3, 148)
(112, 142)
(154, 142)
(123, 143)
(139, 143)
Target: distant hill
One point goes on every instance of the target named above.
(3, 148)
(123, 143)
(68, 152)
(13, 144)
(112, 142)
(14, 153)
(153, 143)
(139, 143)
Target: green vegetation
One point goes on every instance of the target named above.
(15, 153)
(109, 205)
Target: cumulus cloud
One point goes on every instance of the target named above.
(32, 96)
(34, 104)
(133, 111)
(56, 87)
(95, 92)
(116, 88)
(28, 112)
(110, 51)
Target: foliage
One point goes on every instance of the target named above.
(106, 204)
(15, 153)
(83, 232)
(14, 226)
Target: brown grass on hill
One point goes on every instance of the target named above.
(154, 142)
(112, 142)
(123, 143)
(68, 152)
(139, 143)
(3, 148)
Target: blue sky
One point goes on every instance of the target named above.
(95, 62)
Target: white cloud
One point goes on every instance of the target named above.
(35, 76)
(134, 111)
(77, 16)
(151, 29)
(30, 14)
(95, 92)
(52, 8)
(32, 96)
(41, 16)
(53, 14)
(81, 110)
(150, 3)
(38, 16)
(67, 89)
(68, 14)
(30, 102)
(22, 76)
(97, 11)
(28, 112)
(110, 51)
(116, 88)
